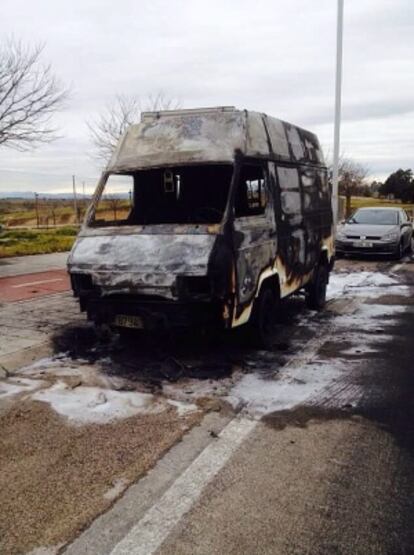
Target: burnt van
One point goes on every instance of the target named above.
(206, 217)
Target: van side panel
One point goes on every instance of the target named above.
(302, 232)
(304, 222)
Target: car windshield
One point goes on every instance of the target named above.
(374, 217)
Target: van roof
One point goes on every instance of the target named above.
(211, 135)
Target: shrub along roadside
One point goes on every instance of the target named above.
(36, 241)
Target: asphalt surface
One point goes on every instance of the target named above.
(20, 265)
(29, 286)
(317, 480)
(306, 448)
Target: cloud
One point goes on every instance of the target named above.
(276, 56)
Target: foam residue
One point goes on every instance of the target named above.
(84, 405)
(14, 386)
(291, 387)
(367, 284)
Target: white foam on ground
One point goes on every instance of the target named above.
(367, 284)
(14, 386)
(63, 367)
(311, 382)
(84, 405)
(369, 318)
(292, 387)
(182, 407)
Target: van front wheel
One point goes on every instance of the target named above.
(316, 290)
(263, 319)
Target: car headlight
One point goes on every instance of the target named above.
(391, 236)
(340, 234)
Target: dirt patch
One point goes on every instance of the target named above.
(55, 477)
(303, 415)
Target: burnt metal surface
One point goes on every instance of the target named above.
(209, 136)
(284, 239)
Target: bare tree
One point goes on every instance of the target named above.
(351, 178)
(29, 95)
(113, 121)
(115, 203)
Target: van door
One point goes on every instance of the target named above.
(291, 229)
(254, 236)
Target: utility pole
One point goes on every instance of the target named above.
(338, 90)
(37, 209)
(75, 200)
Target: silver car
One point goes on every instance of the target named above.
(375, 231)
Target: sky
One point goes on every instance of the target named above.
(274, 56)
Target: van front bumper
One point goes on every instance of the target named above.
(154, 314)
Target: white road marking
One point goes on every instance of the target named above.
(28, 284)
(157, 523)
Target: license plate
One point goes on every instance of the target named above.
(363, 244)
(125, 321)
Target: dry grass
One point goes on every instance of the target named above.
(36, 241)
(359, 202)
(54, 476)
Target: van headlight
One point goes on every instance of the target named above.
(391, 236)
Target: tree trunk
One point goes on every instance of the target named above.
(348, 205)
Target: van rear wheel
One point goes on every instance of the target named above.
(263, 319)
(316, 290)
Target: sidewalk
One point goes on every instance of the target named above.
(19, 265)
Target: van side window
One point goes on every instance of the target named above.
(288, 179)
(251, 195)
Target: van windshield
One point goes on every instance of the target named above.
(172, 195)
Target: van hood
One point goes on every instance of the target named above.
(140, 263)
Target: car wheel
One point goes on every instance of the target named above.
(400, 251)
(263, 318)
(316, 290)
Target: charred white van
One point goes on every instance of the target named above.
(215, 216)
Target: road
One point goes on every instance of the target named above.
(26, 277)
(20, 265)
(193, 447)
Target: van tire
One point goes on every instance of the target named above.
(316, 290)
(263, 319)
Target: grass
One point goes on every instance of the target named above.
(360, 202)
(21, 242)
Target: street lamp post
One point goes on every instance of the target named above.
(338, 87)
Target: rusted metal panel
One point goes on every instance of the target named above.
(210, 136)
(181, 139)
(233, 257)
(140, 263)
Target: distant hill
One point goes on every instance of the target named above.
(29, 195)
